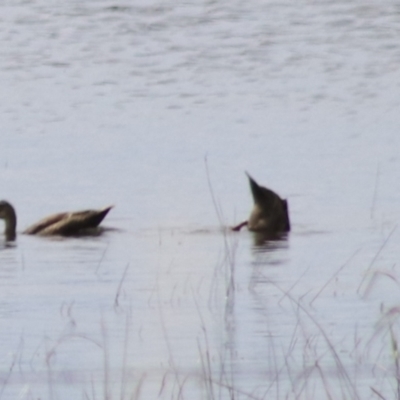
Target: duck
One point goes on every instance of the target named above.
(62, 224)
(270, 212)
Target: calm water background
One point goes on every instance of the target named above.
(159, 107)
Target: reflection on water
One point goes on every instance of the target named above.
(111, 102)
(265, 242)
(6, 245)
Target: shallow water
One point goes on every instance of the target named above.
(159, 108)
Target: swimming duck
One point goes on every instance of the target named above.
(64, 224)
(270, 213)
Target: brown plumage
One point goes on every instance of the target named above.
(64, 224)
(270, 213)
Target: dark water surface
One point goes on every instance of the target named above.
(159, 108)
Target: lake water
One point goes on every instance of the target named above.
(159, 108)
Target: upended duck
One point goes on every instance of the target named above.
(64, 224)
(270, 213)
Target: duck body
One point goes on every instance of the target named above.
(68, 223)
(270, 213)
(64, 224)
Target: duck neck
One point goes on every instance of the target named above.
(11, 224)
